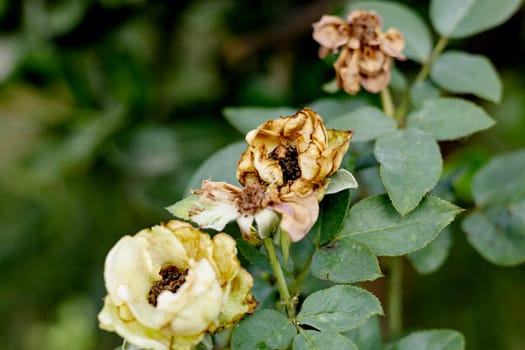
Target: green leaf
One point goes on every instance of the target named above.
(461, 18)
(498, 234)
(330, 108)
(313, 340)
(245, 119)
(368, 123)
(339, 308)
(433, 256)
(334, 209)
(502, 180)
(398, 82)
(340, 181)
(345, 261)
(181, 208)
(422, 91)
(253, 255)
(410, 166)
(367, 336)
(418, 42)
(265, 329)
(435, 339)
(448, 118)
(374, 222)
(465, 73)
(220, 166)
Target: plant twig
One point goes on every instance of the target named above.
(395, 297)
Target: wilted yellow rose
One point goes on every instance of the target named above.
(170, 284)
(366, 52)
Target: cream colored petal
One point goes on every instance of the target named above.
(239, 301)
(213, 214)
(267, 221)
(309, 162)
(268, 169)
(164, 247)
(338, 142)
(299, 214)
(267, 135)
(129, 272)
(133, 331)
(295, 125)
(225, 258)
(197, 303)
(198, 245)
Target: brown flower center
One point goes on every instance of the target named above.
(250, 199)
(287, 158)
(172, 279)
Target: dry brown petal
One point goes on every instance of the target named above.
(372, 61)
(393, 44)
(347, 71)
(330, 32)
(376, 83)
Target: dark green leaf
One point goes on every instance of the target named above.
(367, 336)
(334, 208)
(462, 18)
(374, 222)
(330, 108)
(220, 166)
(431, 257)
(245, 119)
(368, 123)
(498, 234)
(345, 261)
(418, 42)
(253, 255)
(449, 118)
(501, 181)
(340, 181)
(339, 308)
(265, 330)
(465, 73)
(398, 82)
(435, 339)
(313, 340)
(410, 166)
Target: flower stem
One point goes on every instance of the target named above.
(281, 281)
(425, 69)
(395, 297)
(386, 101)
(302, 274)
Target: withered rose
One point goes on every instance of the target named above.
(283, 171)
(169, 285)
(365, 51)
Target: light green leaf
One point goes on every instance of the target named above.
(502, 180)
(435, 339)
(339, 308)
(265, 329)
(461, 18)
(418, 42)
(367, 336)
(368, 123)
(334, 209)
(374, 222)
(410, 166)
(345, 261)
(340, 181)
(431, 257)
(449, 118)
(313, 340)
(181, 208)
(465, 73)
(398, 82)
(498, 234)
(220, 166)
(245, 119)
(422, 91)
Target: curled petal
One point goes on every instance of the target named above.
(299, 214)
(331, 32)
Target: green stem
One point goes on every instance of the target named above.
(425, 69)
(395, 297)
(386, 101)
(302, 274)
(281, 281)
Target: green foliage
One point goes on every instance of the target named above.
(464, 73)
(430, 258)
(338, 309)
(464, 18)
(375, 223)
(367, 336)
(308, 340)
(410, 166)
(245, 119)
(266, 329)
(439, 339)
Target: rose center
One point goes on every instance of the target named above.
(172, 279)
(288, 161)
(250, 199)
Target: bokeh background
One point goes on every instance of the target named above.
(107, 107)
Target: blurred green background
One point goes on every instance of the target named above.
(107, 107)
